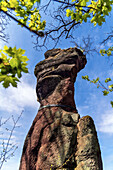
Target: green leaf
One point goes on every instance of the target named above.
(3, 56)
(68, 12)
(21, 51)
(111, 86)
(14, 83)
(6, 82)
(85, 77)
(111, 103)
(5, 48)
(105, 93)
(107, 80)
(3, 71)
(14, 62)
(97, 79)
(16, 79)
(25, 70)
(98, 86)
(19, 73)
(24, 58)
(2, 77)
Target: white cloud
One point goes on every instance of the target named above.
(12, 164)
(12, 102)
(15, 99)
(106, 123)
(99, 108)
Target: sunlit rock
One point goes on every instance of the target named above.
(58, 137)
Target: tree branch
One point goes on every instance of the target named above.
(9, 148)
(67, 3)
(17, 21)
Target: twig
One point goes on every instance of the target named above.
(7, 153)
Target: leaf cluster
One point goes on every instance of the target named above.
(95, 10)
(28, 15)
(26, 11)
(108, 51)
(107, 88)
(12, 64)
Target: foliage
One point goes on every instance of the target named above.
(96, 10)
(12, 64)
(26, 11)
(106, 88)
(108, 51)
(27, 15)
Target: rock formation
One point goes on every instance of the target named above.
(58, 137)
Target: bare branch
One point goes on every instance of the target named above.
(4, 21)
(60, 25)
(109, 37)
(8, 148)
(64, 2)
(3, 123)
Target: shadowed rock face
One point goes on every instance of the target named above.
(56, 76)
(58, 137)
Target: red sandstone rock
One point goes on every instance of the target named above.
(88, 155)
(55, 139)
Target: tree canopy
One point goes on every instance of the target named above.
(67, 15)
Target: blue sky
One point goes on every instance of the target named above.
(89, 99)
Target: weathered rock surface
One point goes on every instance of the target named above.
(88, 155)
(58, 137)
